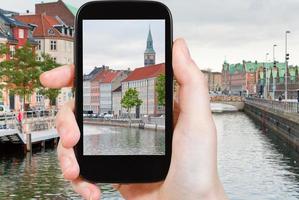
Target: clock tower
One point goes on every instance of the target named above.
(149, 53)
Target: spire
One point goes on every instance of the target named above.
(149, 42)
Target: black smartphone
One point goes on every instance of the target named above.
(124, 82)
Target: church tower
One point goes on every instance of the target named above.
(149, 53)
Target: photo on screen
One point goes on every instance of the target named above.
(123, 87)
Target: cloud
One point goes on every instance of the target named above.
(235, 29)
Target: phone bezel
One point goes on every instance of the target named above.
(124, 168)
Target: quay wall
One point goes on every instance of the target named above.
(125, 123)
(284, 125)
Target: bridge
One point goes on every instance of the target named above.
(222, 103)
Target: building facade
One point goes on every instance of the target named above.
(214, 80)
(116, 99)
(55, 39)
(13, 35)
(144, 80)
(260, 79)
(110, 82)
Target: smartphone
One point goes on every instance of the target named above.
(124, 89)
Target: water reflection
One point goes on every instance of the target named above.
(114, 140)
(252, 165)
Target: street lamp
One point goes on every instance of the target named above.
(267, 78)
(274, 78)
(286, 64)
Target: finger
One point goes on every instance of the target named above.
(67, 127)
(193, 98)
(58, 77)
(86, 190)
(68, 162)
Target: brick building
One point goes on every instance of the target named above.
(63, 10)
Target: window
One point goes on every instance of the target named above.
(12, 51)
(53, 45)
(21, 33)
(54, 59)
(39, 45)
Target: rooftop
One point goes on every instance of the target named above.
(45, 25)
(146, 72)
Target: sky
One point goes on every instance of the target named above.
(216, 30)
(120, 44)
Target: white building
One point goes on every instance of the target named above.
(110, 81)
(54, 38)
(116, 102)
(144, 80)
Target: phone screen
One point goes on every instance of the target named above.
(123, 87)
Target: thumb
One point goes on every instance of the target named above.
(194, 101)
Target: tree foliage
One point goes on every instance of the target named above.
(160, 89)
(131, 99)
(20, 74)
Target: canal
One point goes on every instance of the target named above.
(253, 164)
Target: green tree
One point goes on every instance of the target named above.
(21, 73)
(160, 89)
(130, 100)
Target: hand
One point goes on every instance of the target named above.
(193, 171)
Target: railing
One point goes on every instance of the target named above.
(31, 120)
(278, 106)
(226, 98)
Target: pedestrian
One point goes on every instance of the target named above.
(193, 171)
(279, 98)
(19, 120)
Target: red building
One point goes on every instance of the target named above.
(14, 34)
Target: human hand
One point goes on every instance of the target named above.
(193, 170)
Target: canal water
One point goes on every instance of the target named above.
(115, 140)
(253, 164)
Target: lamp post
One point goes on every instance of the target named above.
(274, 65)
(286, 64)
(267, 78)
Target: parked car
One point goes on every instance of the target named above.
(108, 116)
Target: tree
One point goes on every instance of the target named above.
(160, 89)
(130, 100)
(21, 73)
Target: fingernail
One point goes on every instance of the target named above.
(65, 163)
(91, 196)
(185, 49)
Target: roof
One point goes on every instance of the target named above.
(147, 72)
(109, 76)
(45, 25)
(91, 74)
(8, 12)
(70, 7)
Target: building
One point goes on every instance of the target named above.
(260, 79)
(116, 102)
(54, 37)
(214, 80)
(87, 87)
(144, 80)
(66, 12)
(14, 34)
(109, 82)
(149, 53)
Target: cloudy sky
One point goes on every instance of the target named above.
(233, 29)
(120, 44)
